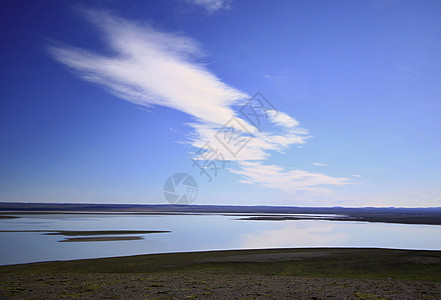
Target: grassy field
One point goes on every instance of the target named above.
(330, 262)
(238, 274)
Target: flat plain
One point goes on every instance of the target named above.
(312, 273)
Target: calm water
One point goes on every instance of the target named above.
(198, 232)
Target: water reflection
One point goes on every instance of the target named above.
(300, 234)
(198, 232)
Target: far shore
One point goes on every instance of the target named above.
(399, 218)
(399, 215)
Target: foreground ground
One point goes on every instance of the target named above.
(247, 274)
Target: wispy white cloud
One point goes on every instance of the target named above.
(157, 68)
(282, 119)
(356, 175)
(269, 77)
(150, 67)
(273, 176)
(211, 5)
(319, 164)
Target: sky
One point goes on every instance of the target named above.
(300, 103)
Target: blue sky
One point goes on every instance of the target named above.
(101, 101)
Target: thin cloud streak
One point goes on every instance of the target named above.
(273, 176)
(319, 164)
(211, 5)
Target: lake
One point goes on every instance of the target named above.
(190, 232)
